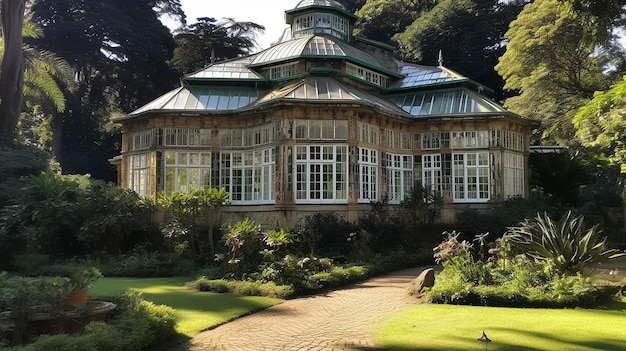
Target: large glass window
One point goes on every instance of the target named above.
(369, 133)
(366, 75)
(141, 140)
(399, 176)
(368, 175)
(187, 170)
(321, 129)
(470, 173)
(432, 172)
(139, 173)
(513, 174)
(321, 173)
(469, 139)
(248, 175)
(187, 137)
(284, 71)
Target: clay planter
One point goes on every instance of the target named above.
(76, 298)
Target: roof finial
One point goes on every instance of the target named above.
(440, 58)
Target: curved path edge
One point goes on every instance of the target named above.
(344, 319)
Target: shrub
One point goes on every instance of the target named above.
(137, 325)
(569, 246)
(338, 277)
(504, 280)
(269, 289)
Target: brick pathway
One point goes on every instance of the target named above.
(345, 319)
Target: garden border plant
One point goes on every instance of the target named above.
(539, 264)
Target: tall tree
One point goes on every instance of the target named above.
(601, 123)
(208, 40)
(12, 68)
(382, 19)
(599, 16)
(469, 33)
(121, 61)
(553, 67)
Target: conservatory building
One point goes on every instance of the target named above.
(325, 122)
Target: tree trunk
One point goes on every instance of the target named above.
(12, 69)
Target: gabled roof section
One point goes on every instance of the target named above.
(236, 69)
(449, 102)
(329, 90)
(312, 46)
(202, 98)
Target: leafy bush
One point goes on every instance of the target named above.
(504, 279)
(242, 287)
(568, 245)
(136, 325)
(338, 277)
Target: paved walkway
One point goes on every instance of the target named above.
(345, 319)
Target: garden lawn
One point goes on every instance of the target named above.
(195, 311)
(452, 328)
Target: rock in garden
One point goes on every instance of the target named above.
(426, 279)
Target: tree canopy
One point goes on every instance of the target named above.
(552, 66)
(601, 123)
(198, 44)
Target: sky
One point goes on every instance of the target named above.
(268, 13)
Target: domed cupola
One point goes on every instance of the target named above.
(320, 17)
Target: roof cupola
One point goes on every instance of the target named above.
(320, 17)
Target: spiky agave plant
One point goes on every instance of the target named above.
(567, 244)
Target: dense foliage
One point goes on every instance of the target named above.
(539, 264)
(136, 325)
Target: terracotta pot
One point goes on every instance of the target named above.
(76, 298)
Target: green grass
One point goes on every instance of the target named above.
(195, 311)
(456, 328)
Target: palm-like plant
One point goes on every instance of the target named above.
(567, 244)
(43, 72)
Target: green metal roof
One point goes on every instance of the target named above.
(204, 98)
(445, 102)
(327, 89)
(231, 69)
(312, 46)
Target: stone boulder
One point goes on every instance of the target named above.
(426, 279)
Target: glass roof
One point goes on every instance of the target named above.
(203, 98)
(461, 101)
(417, 75)
(314, 46)
(325, 88)
(232, 69)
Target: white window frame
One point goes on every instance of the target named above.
(193, 137)
(399, 176)
(471, 139)
(139, 173)
(320, 129)
(471, 177)
(432, 173)
(513, 166)
(369, 133)
(186, 170)
(321, 174)
(248, 176)
(368, 175)
(366, 74)
(141, 140)
(283, 71)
